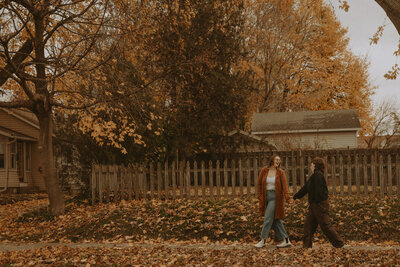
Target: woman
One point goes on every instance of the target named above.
(271, 191)
(318, 210)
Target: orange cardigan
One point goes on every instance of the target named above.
(281, 192)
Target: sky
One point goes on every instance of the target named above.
(362, 21)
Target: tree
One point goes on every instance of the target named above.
(196, 45)
(301, 61)
(43, 43)
(385, 124)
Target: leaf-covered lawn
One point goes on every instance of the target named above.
(372, 219)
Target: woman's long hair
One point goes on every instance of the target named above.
(271, 161)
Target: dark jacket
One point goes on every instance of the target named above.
(315, 187)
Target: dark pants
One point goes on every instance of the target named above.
(318, 214)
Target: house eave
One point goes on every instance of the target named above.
(307, 131)
(11, 135)
(21, 118)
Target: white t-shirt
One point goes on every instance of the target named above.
(270, 183)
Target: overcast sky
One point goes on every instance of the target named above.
(362, 21)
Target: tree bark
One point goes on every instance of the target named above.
(18, 58)
(392, 9)
(48, 168)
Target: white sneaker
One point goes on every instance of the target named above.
(285, 243)
(260, 244)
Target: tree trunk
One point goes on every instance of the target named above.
(392, 9)
(56, 197)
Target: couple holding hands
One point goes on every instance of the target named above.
(272, 191)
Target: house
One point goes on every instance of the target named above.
(19, 154)
(247, 143)
(323, 129)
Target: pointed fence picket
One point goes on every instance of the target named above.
(351, 172)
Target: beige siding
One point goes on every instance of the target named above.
(12, 178)
(324, 140)
(17, 125)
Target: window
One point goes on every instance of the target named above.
(2, 154)
(27, 156)
(13, 159)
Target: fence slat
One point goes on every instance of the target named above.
(218, 177)
(389, 174)
(341, 174)
(233, 175)
(333, 173)
(373, 171)
(181, 174)
(158, 180)
(225, 178)
(357, 173)
(240, 178)
(255, 175)
(294, 173)
(381, 175)
(203, 180)
(93, 183)
(365, 173)
(187, 176)
(166, 180)
(248, 178)
(398, 172)
(211, 178)
(196, 180)
(349, 176)
(173, 178)
(151, 181)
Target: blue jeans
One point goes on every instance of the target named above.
(270, 222)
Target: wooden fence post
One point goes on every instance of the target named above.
(211, 178)
(357, 172)
(341, 174)
(159, 180)
(398, 172)
(151, 175)
(218, 177)
(240, 178)
(93, 185)
(248, 178)
(333, 173)
(381, 175)
(389, 172)
(294, 173)
(188, 185)
(255, 175)
(225, 178)
(349, 174)
(203, 180)
(365, 173)
(233, 175)
(373, 171)
(301, 168)
(181, 174)
(166, 180)
(196, 180)
(173, 177)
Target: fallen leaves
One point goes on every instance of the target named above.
(356, 218)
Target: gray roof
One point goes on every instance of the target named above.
(305, 121)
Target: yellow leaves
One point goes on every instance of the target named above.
(344, 5)
(393, 73)
(377, 35)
